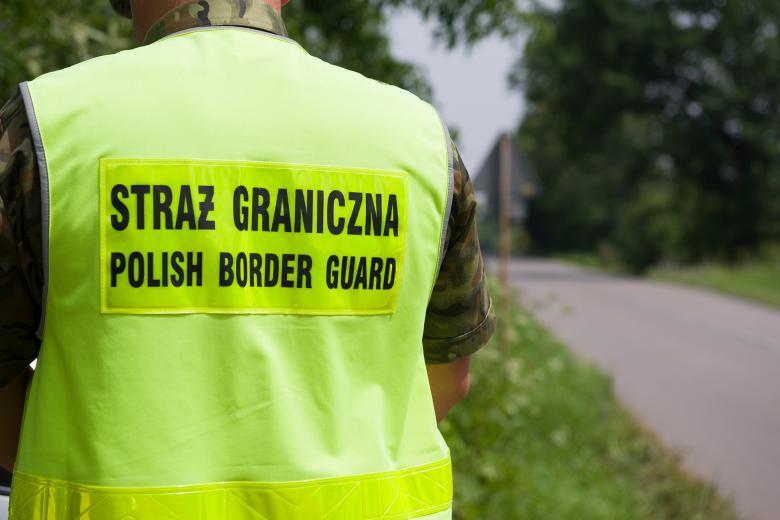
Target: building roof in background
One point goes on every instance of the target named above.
(524, 183)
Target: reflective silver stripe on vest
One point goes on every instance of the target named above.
(450, 193)
(43, 172)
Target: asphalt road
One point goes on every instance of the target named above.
(700, 369)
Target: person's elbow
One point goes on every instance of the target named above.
(450, 384)
(461, 388)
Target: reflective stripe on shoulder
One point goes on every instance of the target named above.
(404, 494)
(450, 194)
(43, 172)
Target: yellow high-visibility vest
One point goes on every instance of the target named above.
(240, 244)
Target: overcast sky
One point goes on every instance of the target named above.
(470, 86)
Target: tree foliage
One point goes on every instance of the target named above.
(37, 36)
(654, 126)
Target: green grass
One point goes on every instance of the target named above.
(590, 260)
(757, 280)
(593, 261)
(542, 436)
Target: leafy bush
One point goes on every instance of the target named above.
(648, 230)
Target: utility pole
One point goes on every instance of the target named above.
(505, 231)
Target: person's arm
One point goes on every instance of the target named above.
(12, 398)
(449, 385)
(21, 271)
(460, 318)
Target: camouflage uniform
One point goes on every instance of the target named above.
(460, 317)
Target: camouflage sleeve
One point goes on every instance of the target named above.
(20, 243)
(460, 317)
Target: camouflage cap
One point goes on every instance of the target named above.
(122, 7)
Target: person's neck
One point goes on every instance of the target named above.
(147, 12)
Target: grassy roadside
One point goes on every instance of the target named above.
(542, 436)
(592, 261)
(756, 280)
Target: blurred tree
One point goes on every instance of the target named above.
(37, 36)
(648, 115)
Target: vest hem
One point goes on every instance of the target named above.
(409, 493)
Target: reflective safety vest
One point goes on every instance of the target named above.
(241, 241)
